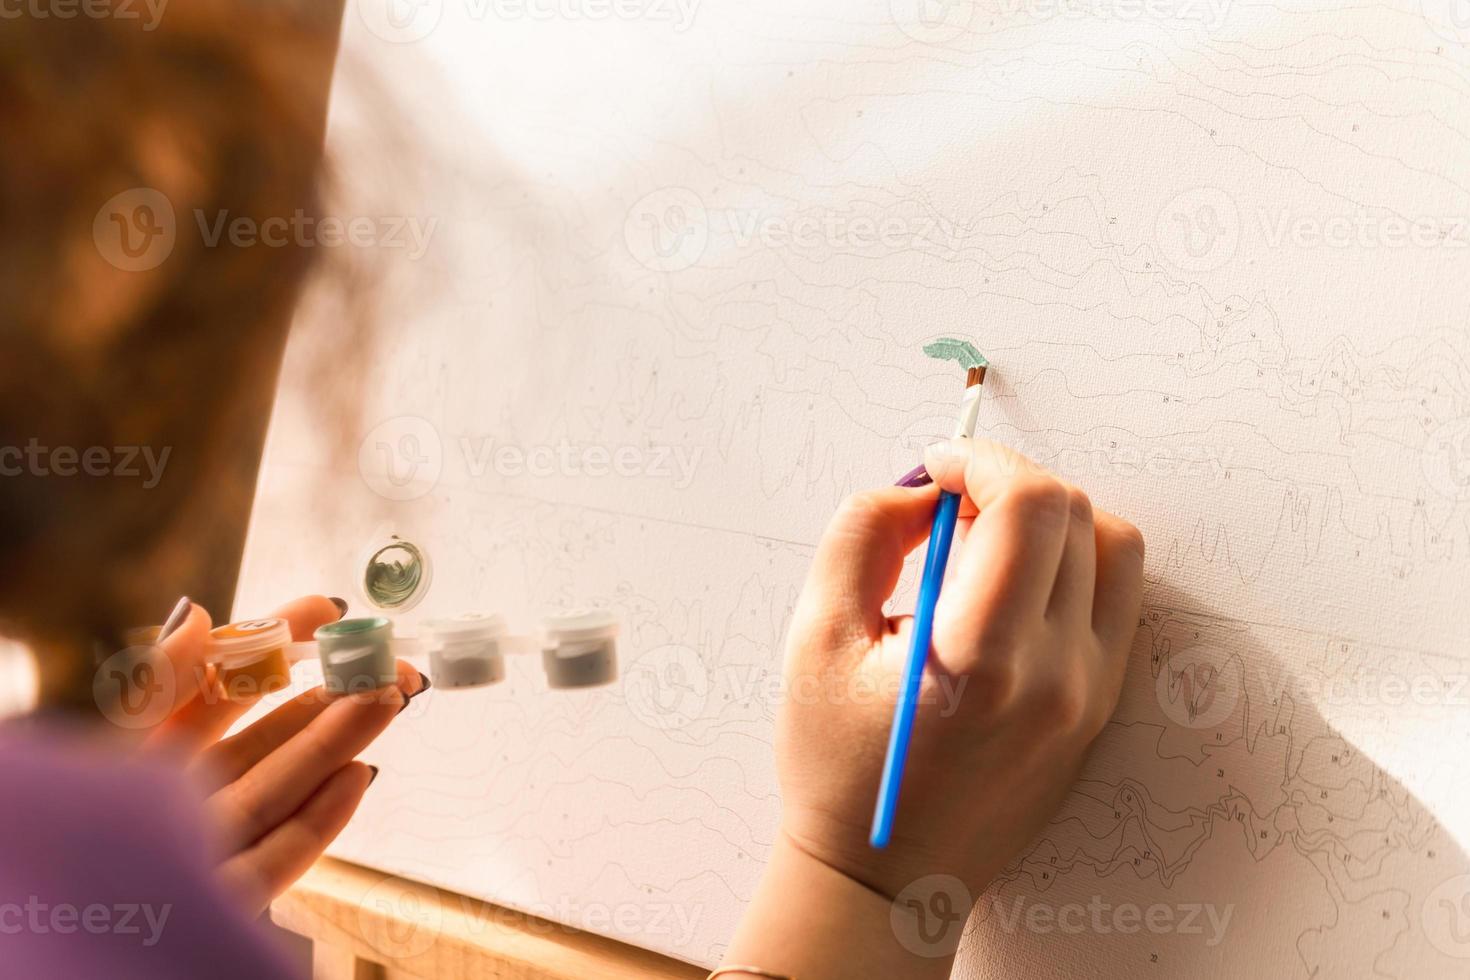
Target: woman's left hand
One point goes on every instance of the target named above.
(282, 789)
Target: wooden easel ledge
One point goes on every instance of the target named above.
(368, 925)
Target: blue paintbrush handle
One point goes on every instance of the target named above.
(941, 536)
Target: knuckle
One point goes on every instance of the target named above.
(860, 508)
(1079, 505)
(1039, 499)
(995, 679)
(1097, 717)
(1129, 538)
(997, 634)
(1063, 702)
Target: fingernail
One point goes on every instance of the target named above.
(175, 618)
(341, 605)
(916, 477)
(941, 456)
(424, 685)
(374, 775)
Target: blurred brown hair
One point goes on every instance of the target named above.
(220, 108)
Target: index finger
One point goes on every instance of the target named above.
(309, 613)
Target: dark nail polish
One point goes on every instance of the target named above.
(374, 775)
(916, 477)
(424, 686)
(341, 605)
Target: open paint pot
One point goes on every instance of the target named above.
(580, 649)
(250, 657)
(357, 654)
(467, 651)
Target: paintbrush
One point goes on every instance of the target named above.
(941, 536)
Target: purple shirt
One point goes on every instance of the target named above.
(106, 869)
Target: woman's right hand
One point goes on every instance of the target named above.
(1031, 640)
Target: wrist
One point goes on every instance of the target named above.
(810, 921)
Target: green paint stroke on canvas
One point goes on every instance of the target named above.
(949, 349)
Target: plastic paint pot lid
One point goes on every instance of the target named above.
(468, 628)
(580, 624)
(244, 642)
(350, 628)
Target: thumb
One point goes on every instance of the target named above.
(858, 563)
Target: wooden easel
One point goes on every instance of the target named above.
(369, 925)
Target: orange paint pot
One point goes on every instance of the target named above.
(250, 657)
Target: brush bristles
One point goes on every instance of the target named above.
(976, 376)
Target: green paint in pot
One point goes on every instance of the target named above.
(357, 654)
(395, 573)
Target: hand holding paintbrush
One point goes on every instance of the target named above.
(1023, 664)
